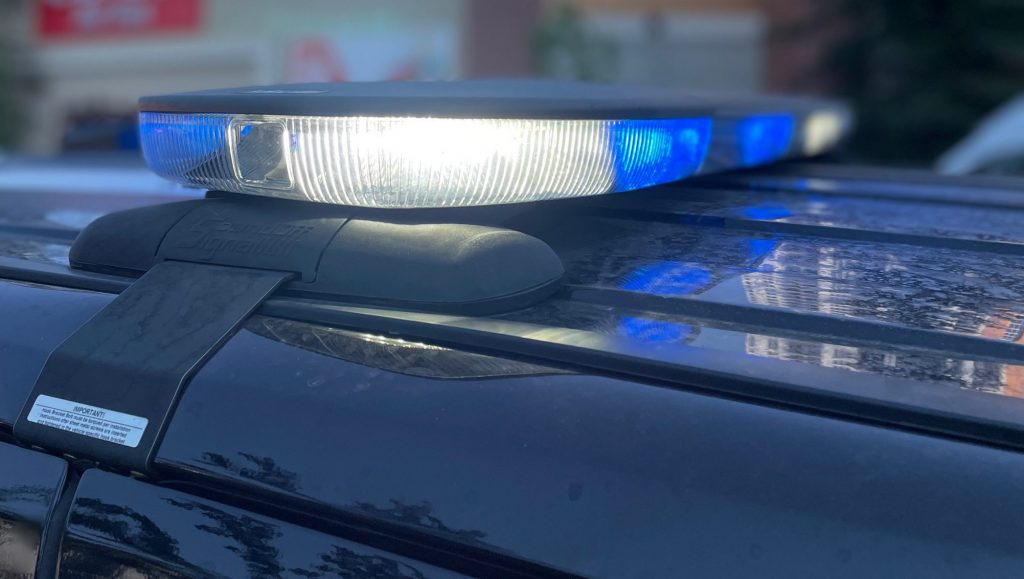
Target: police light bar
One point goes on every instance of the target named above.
(757, 130)
(441, 144)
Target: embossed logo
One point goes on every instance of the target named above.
(215, 235)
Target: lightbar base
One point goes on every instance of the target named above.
(334, 254)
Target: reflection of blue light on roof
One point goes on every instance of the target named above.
(668, 278)
(766, 212)
(658, 151)
(759, 248)
(764, 138)
(654, 331)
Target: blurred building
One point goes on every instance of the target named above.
(92, 59)
(696, 44)
(96, 57)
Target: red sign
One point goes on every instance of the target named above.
(79, 19)
(318, 60)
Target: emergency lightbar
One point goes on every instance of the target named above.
(198, 268)
(757, 130)
(458, 144)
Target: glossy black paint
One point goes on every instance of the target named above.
(447, 443)
(901, 403)
(918, 279)
(593, 475)
(30, 483)
(35, 320)
(119, 527)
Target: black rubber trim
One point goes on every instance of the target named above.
(766, 319)
(39, 231)
(115, 283)
(897, 175)
(816, 231)
(904, 403)
(927, 407)
(48, 557)
(61, 275)
(470, 99)
(871, 183)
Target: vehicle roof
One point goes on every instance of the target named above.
(793, 270)
(814, 265)
(802, 264)
(793, 295)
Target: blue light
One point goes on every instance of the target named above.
(764, 138)
(404, 162)
(759, 248)
(668, 278)
(654, 331)
(195, 143)
(651, 152)
(766, 212)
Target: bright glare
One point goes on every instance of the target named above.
(420, 162)
(822, 131)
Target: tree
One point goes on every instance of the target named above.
(920, 73)
(563, 46)
(10, 120)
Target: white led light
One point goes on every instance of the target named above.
(420, 162)
(822, 130)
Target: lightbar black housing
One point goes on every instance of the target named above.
(421, 262)
(471, 99)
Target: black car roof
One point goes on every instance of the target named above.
(738, 371)
(891, 296)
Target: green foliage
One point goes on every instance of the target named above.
(10, 113)
(563, 47)
(920, 73)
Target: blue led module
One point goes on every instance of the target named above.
(650, 152)
(764, 138)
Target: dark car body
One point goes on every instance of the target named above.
(800, 371)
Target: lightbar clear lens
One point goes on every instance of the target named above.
(420, 162)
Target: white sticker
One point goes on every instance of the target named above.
(92, 421)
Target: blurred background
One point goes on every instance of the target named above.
(921, 74)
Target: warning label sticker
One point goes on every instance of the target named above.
(92, 421)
